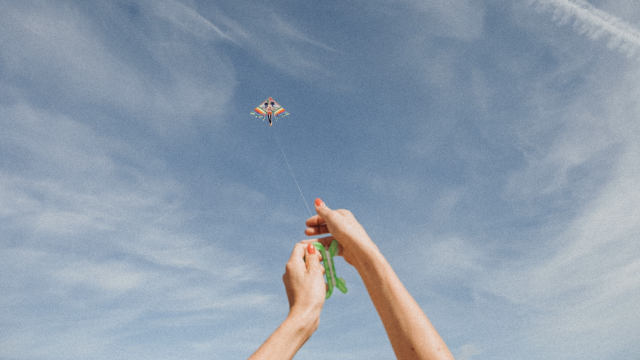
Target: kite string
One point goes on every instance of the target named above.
(293, 176)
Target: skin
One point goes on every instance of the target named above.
(411, 333)
(304, 282)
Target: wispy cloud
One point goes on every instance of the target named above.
(462, 19)
(189, 20)
(595, 269)
(95, 229)
(595, 23)
(62, 58)
(468, 351)
(584, 282)
(288, 31)
(265, 33)
(130, 222)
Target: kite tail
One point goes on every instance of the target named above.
(293, 176)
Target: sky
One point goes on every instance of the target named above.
(490, 148)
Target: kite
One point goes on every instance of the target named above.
(269, 108)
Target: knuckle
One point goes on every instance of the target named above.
(345, 212)
(288, 268)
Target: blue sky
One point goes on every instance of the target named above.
(490, 148)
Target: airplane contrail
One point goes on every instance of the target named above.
(594, 23)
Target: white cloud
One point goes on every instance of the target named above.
(105, 247)
(275, 40)
(189, 20)
(93, 227)
(586, 290)
(441, 259)
(288, 31)
(595, 23)
(462, 19)
(468, 351)
(59, 57)
(112, 276)
(399, 188)
(579, 137)
(451, 258)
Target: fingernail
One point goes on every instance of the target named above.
(319, 202)
(311, 249)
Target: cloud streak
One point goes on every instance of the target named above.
(595, 23)
(140, 216)
(93, 229)
(190, 20)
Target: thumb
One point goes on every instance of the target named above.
(322, 209)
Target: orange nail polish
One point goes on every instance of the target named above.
(311, 249)
(319, 202)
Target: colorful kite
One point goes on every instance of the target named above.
(269, 108)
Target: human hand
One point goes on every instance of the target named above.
(303, 279)
(306, 290)
(343, 226)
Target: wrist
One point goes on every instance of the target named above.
(289, 337)
(367, 256)
(305, 321)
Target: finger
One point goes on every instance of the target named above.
(340, 250)
(316, 230)
(311, 258)
(325, 241)
(315, 220)
(311, 241)
(322, 209)
(297, 255)
(321, 240)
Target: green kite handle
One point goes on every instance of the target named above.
(329, 268)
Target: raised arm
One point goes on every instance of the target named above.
(306, 289)
(411, 333)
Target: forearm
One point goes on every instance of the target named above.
(285, 342)
(411, 333)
